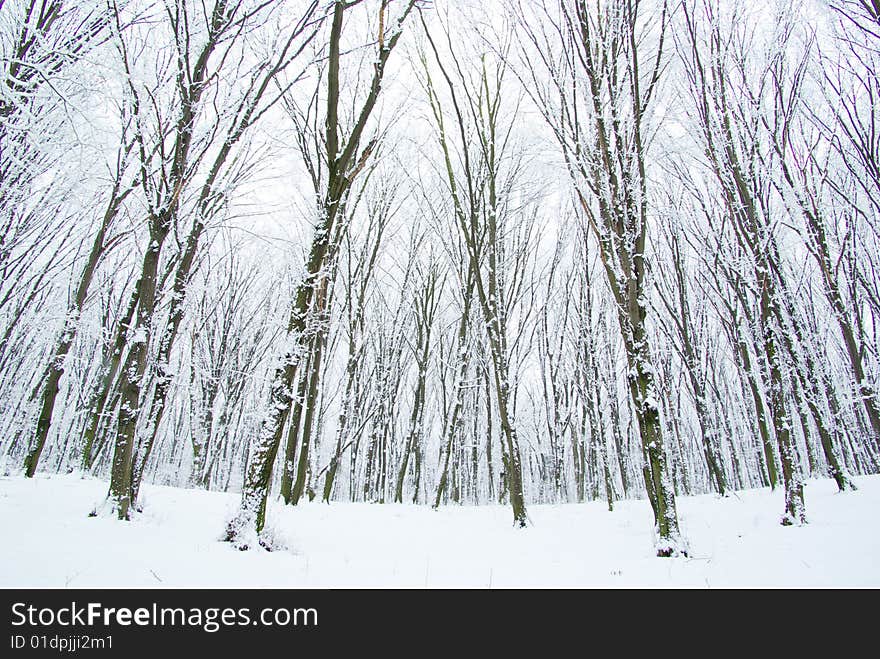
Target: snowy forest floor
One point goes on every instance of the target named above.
(49, 541)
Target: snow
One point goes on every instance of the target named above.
(49, 541)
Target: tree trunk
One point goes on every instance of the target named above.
(55, 369)
(311, 405)
(119, 496)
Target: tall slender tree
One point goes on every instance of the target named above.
(343, 159)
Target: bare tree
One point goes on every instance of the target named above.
(122, 186)
(42, 44)
(165, 169)
(480, 198)
(604, 63)
(342, 160)
(219, 184)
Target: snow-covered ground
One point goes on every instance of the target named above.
(48, 540)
